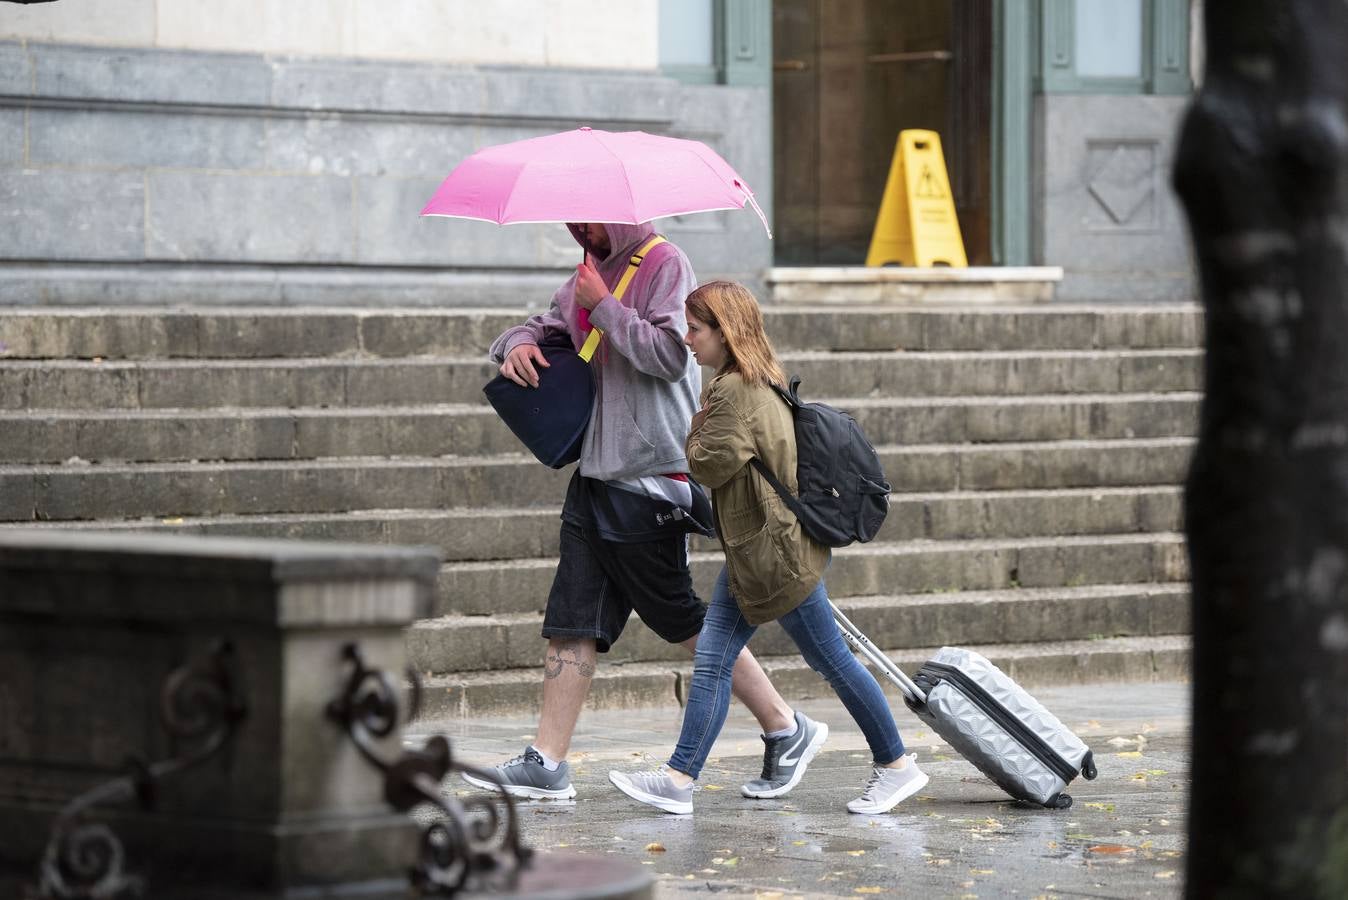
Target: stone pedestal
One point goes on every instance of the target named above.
(92, 625)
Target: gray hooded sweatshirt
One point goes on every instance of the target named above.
(648, 382)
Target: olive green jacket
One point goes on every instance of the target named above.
(773, 565)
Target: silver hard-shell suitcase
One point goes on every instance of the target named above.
(989, 719)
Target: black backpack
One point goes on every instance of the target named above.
(844, 496)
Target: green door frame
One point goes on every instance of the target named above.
(1014, 27)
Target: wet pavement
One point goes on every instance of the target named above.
(960, 837)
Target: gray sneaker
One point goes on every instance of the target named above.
(525, 776)
(785, 759)
(888, 788)
(656, 789)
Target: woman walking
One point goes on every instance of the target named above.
(773, 570)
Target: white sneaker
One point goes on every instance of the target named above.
(656, 789)
(888, 788)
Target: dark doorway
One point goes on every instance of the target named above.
(848, 75)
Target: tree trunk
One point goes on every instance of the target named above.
(1262, 171)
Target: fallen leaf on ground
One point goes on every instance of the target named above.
(868, 890)
(655, 848)
(1107, 807)
(1130, 754)
(1169, 873)
(1110, 848)
(856, 852)
(717, 787)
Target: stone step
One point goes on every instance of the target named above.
(1035, 665)
(507, 641)
(38, 436)
(483, 533)
(161, 490)
(251, 434)
(157, 333)
(1028, 418)
(354, 382)
(908, 567)
(247, 333)
(991, 373)
(203, 384)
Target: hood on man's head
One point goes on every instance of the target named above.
(622, 237)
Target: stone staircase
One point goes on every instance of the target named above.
(1035, 454)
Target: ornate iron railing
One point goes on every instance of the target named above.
(473, 846)
(199, 706)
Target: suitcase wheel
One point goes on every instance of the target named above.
(1088, 766)
(1060, 801)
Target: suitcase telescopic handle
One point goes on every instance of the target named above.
(866, 648)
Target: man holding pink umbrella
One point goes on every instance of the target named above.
(621, 548)
(629, 505)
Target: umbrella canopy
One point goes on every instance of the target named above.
(591, 176)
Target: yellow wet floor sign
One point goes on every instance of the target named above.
(917, 225)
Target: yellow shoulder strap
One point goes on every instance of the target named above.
(592, 340)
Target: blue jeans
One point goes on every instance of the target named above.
(811, 625)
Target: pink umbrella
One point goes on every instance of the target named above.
(591, 176)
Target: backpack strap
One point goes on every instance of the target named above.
(792, 398)
(787, 497)
(595, 335)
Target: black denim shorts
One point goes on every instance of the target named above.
(599, 583)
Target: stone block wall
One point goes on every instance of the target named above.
(145, 175)
(1102, 203)
(515, 32)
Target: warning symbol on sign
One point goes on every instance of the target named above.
(927, 185)
(916, 225)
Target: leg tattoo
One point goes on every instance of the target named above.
(566, 655)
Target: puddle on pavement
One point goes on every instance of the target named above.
(849, 845)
